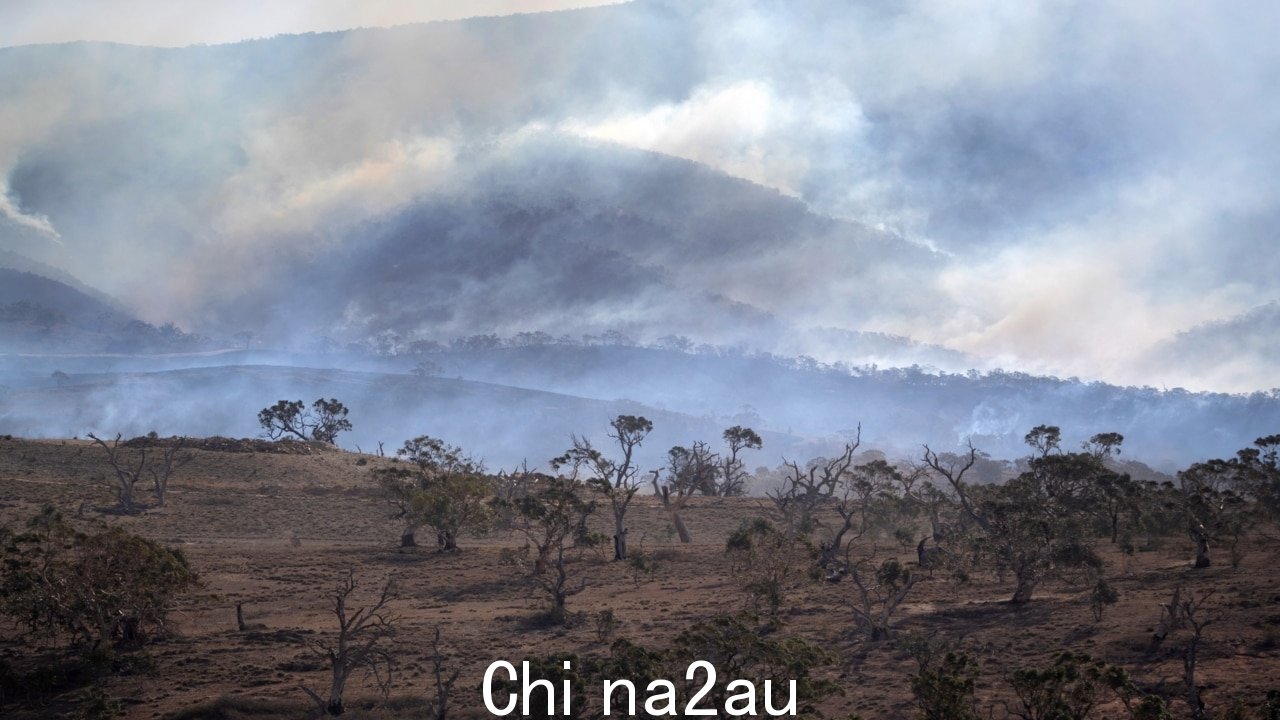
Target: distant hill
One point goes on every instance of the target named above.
(13, 261)
(504, 425)
(1237, 352)
(899, 408)
(39, 313)
(57, 298)
(510, 403)
(42, 315)
(463, 207)
(524, 247)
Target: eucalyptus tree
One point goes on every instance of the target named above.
(1036, 525)
(615, 478)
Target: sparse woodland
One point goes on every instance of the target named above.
(948, 585)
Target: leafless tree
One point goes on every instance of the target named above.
(952, 468)
(805, 489)
(443, 680)
(127, 473)
(1170, 619)
(359, 645)
(131, 469)
(161, 468)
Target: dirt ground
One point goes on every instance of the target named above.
(276, 532)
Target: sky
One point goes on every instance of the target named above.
(1099, 181)
(177, 23)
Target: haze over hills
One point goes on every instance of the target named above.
(514, 402)
(746, 203)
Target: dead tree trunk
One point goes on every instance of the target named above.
(926, 557)
(358, 645)
(162, 469)
(1202, 546)
(126, 475)
(681, 530)
(935, 523)
(1194, 701)
(673, 508)
(1170, 619)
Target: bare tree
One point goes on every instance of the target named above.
(1170, 619)
(804, 490)
(359, 645)
(443, 680)
(131, 470)
(952, 469)
(128, 474)
(161, 469)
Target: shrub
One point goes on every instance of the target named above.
(101, 587)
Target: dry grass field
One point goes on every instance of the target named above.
(276, 532)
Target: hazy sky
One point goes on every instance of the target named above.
(175, 23)
(1096, 177)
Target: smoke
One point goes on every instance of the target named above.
(38, 223)
(1060, 187)
(738, 128)
(164, 23)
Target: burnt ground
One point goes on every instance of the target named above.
(276, 532)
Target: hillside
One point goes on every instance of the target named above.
(512, 403)
(457, 204)
(42, 315)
